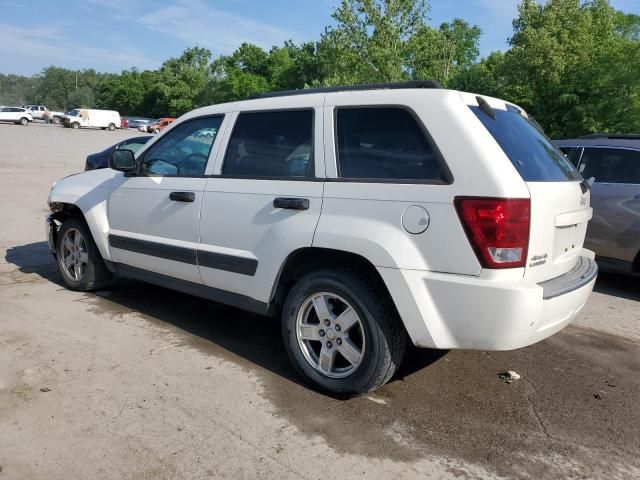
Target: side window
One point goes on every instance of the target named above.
(271, 144)
(384, 143)
(572, 153)
(611, 165)
(183, 151)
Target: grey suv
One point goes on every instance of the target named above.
(612, 163)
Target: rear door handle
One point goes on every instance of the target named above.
(291, 203)
(182, 196)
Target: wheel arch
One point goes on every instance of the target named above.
(307, 259)
(64, 210)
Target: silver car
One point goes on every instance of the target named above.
(612, 164)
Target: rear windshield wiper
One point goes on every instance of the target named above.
(486, 108)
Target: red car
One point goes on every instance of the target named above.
(124, 123)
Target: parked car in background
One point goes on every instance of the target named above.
(101, 159)
(162, 123)
(363, 217)
(38, 112)
(612, 164)
(139, 122)
(145, 128)
(124, 123)
(17, 115)
(91, 118)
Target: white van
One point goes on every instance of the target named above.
(85, 117)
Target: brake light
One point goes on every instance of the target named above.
(498, 229)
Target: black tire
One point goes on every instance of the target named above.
(111, 127)
(56, 120)
(383, 331)
(24, 121)
(75, 125)
(156, 131)
(96, 275)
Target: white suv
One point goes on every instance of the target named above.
(364, 217)
(16, 115)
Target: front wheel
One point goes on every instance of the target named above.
(75, 125)
(342, 332)
(157, 130)
(79, 261)
(24, 121)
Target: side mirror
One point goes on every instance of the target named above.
(123, 161)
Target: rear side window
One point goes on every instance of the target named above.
(531, 152)
(385, 143)
(271, 144)
(611, 165)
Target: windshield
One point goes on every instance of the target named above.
(73, 113)
(531, 152)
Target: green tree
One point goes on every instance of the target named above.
(444, 53)
(574, 65)
(370, 42)
(181, 81)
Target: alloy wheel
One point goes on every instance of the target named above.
(74, 255)
(330, 335)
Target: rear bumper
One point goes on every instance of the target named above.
(455, 311)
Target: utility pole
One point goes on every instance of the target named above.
(76, 82)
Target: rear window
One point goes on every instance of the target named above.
(531, 152)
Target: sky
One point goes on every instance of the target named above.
(113, 35)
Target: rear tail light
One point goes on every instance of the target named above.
(498, 229)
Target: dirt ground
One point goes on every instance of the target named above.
(138, 382)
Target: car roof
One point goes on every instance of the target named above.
(593, 141)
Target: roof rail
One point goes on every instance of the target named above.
(351, 88)
(613, 136)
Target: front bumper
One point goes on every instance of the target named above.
(51, 230)
(456, 311)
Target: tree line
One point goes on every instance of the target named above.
(574, 65)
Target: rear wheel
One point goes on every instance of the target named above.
(24, 121)
(79, 261)
(111, 127)
(157, 130)
(341, 332)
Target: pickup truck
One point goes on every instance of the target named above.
(40, 112)
(51, 116)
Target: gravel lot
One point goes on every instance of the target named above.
(138, 382)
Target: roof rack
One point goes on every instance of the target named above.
(351, 88)
(613, 136)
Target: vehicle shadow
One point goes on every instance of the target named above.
(213, 328)
(623, 286)
(34, 258)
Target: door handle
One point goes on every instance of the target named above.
(182, 196)
(636, 196)
(291, 203)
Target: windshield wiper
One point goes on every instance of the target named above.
(486, 108)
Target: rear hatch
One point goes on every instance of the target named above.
(560, 199)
